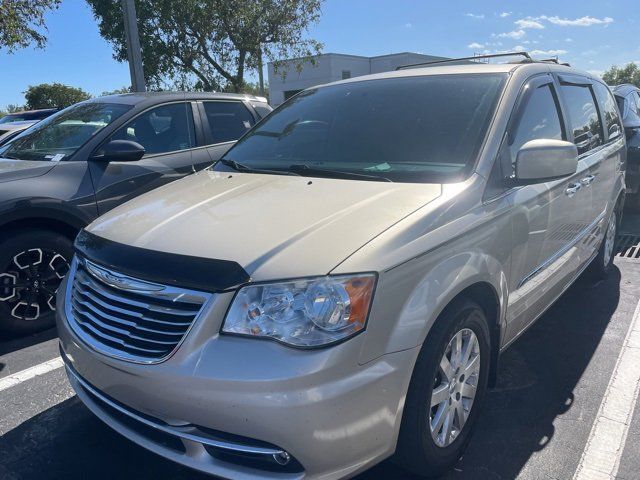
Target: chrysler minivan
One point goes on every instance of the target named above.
(338, 289)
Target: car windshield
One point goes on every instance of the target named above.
(411, 129)
(61, 135)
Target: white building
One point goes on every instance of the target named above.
(330, 67)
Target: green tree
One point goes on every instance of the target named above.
(210, 44)
(627, 74)
(53, 95)
(117, 91)
(22, 23)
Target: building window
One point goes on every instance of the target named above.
(346, 74)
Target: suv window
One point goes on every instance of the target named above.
(163, 129)
(583, 116)
(609, 111)
(228, 121)
(540, 119)
(261, 109)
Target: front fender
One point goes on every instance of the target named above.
(410, 297)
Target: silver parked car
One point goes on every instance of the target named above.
(338, 288)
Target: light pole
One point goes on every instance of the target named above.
(134, 53)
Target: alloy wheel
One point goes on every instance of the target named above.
(610, 239)
(454, 387)
(28, 284)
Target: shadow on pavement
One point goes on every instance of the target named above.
(10, 343)
(537, 377)
(69, 442)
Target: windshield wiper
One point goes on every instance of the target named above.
(306, 170)
(240, 167)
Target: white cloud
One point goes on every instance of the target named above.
(408, 25)
(518, 48)
(473, 15)
(597, 73)
(475, 46)
(516, 34)
(568, 40)
(528, 23)
(505, 14)
(551, 53)
(578, 22)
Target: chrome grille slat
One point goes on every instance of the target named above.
(104, 291)
(128, 318)
(128, 313)
(109, 326)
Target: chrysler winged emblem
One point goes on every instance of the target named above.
(121, 282)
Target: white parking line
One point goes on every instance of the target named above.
(601, 457)
(29, 373)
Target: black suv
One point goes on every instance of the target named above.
(72, 167)
(628, 98)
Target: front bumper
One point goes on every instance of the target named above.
(333, 416)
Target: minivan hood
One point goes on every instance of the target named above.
(19, 169)
(274, 226)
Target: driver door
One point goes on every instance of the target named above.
(167, 133)
(548, 217)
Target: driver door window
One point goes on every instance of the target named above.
(539, 120)
(164, 129)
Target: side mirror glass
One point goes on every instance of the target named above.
(120, 151)
(545, 159)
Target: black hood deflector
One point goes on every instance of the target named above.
(173, 269)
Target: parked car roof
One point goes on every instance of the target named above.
(159, 97)
(624, 89)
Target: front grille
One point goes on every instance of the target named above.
(128, 318)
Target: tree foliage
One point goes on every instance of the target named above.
(627, 74)
(210, 44)
(53, 95)
(22, 23)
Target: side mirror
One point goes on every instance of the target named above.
(545, 159)
(120, 151)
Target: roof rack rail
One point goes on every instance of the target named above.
(476, 57)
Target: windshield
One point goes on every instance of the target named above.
(412, 129)
(62, 134)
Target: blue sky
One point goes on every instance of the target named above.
(592, 35)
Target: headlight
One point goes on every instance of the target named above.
(304, 313)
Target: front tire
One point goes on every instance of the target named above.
(32, 265)
(446, 391)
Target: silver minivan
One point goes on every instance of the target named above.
(337, 289)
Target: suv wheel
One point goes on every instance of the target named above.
(601, 264)
(446, 391)
(32, 266)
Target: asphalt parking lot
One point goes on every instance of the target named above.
(555, 384)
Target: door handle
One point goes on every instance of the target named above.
(588, 180)
(572, 189)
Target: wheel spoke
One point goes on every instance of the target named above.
(461, 414)
(448, 426)
(468, 391)
(439, 418)
(471, 344)
(446, 368)
(473, 366)
(456, 353)
(440, 394)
